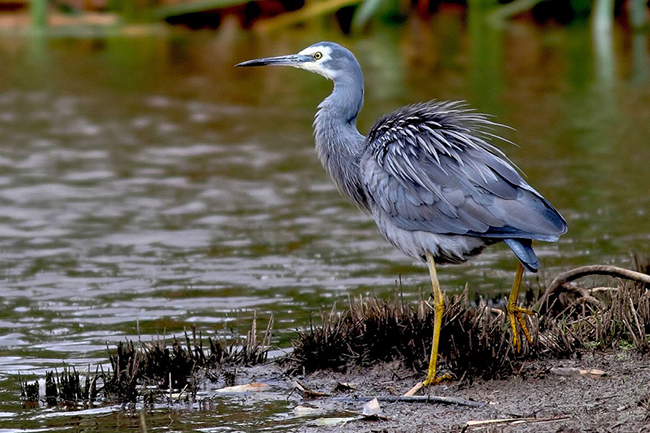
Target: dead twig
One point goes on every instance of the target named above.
(593, 373)
(602, 290)
(512, 421)
(411, 392)
(613, 271)
(431, 399)
(307, 392)
(582, 296)
(635, 316)
(583, 271)
(417, 399)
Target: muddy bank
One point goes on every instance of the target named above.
(545, 396)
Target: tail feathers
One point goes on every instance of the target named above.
(524, 252)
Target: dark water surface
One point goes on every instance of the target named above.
(142, 177)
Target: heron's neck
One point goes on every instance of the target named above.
(338, 142)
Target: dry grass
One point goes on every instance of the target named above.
(604, 318)
(371, 331)
(150, 371)
(475, 340)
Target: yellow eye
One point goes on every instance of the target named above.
(318, 55)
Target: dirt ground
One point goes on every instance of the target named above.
(546, 396)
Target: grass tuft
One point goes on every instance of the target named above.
(149, 372)
(475, 339)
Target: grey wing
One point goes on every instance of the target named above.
(429, 167)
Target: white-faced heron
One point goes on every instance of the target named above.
(437, 188)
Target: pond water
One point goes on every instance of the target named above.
(144, 178)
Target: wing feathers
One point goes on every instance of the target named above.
(430, 167)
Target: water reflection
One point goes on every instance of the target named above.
(143, 177)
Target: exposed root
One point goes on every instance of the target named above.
(584, 271)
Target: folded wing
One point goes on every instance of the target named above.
(430, 167)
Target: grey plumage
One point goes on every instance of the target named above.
(428, 173)
(430, 168)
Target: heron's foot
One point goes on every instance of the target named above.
(435, 380)
(429, 381)
(516, 315)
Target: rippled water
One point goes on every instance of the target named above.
(142, 177)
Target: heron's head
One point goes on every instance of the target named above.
(325, 58)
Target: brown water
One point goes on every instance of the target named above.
(142, 177)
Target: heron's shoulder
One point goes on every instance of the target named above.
(435, 126)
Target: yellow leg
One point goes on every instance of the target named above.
(515, 312)
(439, 309)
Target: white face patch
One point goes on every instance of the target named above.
(317, 65)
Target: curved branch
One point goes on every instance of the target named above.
(583, 271)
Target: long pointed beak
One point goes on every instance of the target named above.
(291, 60)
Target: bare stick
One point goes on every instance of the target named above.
(417, 399)
(585, 295)
(513, 421)
(583, 271)
(411, 392)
